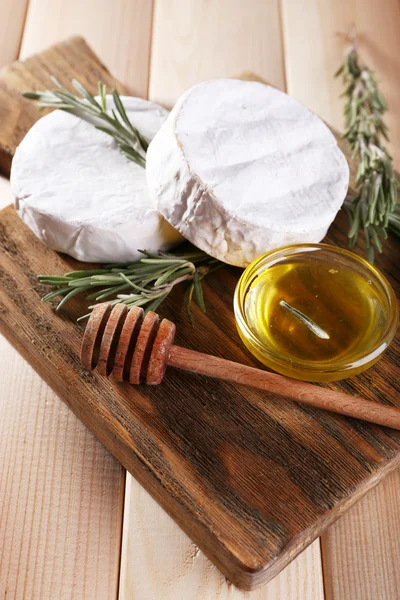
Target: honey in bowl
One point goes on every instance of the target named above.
(315, 312)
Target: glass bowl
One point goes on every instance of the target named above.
(315, 312)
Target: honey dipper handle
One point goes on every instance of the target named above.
(292, 389)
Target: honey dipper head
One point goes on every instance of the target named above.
(126, 344)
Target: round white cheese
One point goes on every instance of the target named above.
(240, 168)
(80, 195)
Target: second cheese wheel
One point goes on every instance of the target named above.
(240, 168)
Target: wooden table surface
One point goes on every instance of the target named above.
(73, 525)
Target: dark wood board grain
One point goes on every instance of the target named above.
(252, 478)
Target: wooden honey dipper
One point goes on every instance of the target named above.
(130, 346)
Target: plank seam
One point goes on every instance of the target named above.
(282, 36)
(153, 10)
(324, 581)
(123, 484)
(24, 19)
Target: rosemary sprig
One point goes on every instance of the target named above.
(146, 282)
(372, 207)
(114, 122)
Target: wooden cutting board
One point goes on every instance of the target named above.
(252, 478)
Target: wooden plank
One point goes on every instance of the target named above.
(175, 66)
(159, 561)
(119, 32)
(72, 464)
(361, 551)
(314, 51)
(66, 60)
(61, 495)
(11, 28)
(194, 41)
(56, 478)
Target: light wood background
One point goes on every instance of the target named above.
(72, 525)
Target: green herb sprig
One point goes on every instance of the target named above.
(373, 207)
(146, 282)
(114, 122)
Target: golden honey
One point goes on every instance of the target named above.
(315, 312)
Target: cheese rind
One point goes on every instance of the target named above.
(81, 196)
(240, 168)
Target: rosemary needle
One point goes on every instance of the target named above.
(146, 282)
(312, 326)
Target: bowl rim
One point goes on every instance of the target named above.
(316, 367)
